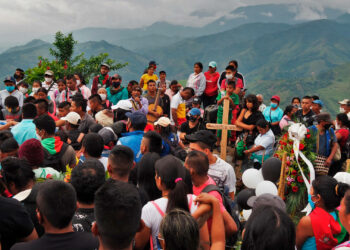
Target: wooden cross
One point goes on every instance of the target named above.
(224, 128)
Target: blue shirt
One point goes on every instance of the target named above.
(121, 95)
(24, 130)
(325, 142)
(275, 116)
(133, 141)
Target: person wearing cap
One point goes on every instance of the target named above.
(170, 139)
(345, 107)
(104, 119)
(197, 80)
(72, 89)
(72, 121)
(10, 90)
(109, 139)
(153, 64)
(219, 170)
(305, 115)
(211, 87)
(115, 92)
(193, 124)
(137, 122)
(266, 199)
(49, 84)
(273, 114)
(325, 138)
(148, 76)
(178, 106)
(139, 103)
(317, 106)
(196, 103)
(101, 80)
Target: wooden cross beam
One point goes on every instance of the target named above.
(224, 128)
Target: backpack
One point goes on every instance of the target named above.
(210, 113)
(54, 161)
(232, 208)
(175, 149)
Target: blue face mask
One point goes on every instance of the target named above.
(10, 88)
(312, 204)
(273, 105)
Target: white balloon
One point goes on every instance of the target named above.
(343, 177)
(252, 177)
(266, 187)
(246, 213)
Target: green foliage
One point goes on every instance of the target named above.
(65, 64)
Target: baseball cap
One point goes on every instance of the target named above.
(108, 135)
(152, 63)
(196, 100)
(137, 117)
(276, 97)
(319, 102)
(344, 102)
(10, 79)
(195, 111)
(204, 136)
(49, 72)
(106, 65)
(123, 104)
(266, 199)
(72, 117)
(325, 117)
(212, 64)
(163, 121)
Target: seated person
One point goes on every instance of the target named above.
(72, 128)
(151, 142)
(63, 109)
(109, 137)
(192, 125)
(42, 108)
(92, 148)
(196, 103)
(170, 139)
(8, 147)
(105, 102)
(12, 110)
(105, 118)
(95, 104)
(139, 103)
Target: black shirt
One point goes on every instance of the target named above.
(83, 219)
(15, 222)
(166, 105)
(308, 119)
(66, 241)
(185, 127)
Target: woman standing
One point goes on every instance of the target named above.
(273, 114)
(211, 87)
(197, 80)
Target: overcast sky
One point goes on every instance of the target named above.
(23, 20)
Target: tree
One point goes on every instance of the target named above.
(65, 64)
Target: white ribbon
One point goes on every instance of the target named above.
(297, 132)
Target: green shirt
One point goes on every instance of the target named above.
(115, 98)
(234, 97)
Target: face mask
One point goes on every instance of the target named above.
(78, 82)
(229, 76)
(341, 110)
(273, 105)
(23, 90)
(192, 118)
(327, 126)
(10, 88)
(312, 204)
(35, 89)
(48, 79)
(337, 125)
(116, 84)
(16, 76)
(103, 96)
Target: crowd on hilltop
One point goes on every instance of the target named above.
(133, 166)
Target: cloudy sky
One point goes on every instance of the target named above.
(23, 20)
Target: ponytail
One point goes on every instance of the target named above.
(177, 197)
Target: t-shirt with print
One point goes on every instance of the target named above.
(223, 175)
(179, 104)
(146, 78)
(83, 219)
(152, 217)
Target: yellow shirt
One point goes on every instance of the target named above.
(146, 78)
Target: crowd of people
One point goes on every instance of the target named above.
(132, 166)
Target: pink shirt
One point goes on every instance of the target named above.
(239, 83)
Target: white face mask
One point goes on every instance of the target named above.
(229, 76)
(23, 90)
(48, 79)
(78, 82)
(35, 89)
(341, 110)
(336, 125)
(103, 96)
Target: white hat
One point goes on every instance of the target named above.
(163, 121)
(72, 117)
(123, 104)
(49, 72)
(344, 102)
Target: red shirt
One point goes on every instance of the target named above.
(239, 83)
(52, 116)
(344, 136)
(211, 88)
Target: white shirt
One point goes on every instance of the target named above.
(197, 82)
(174, 104)
(104, 161)
(267, 141)
(262, 107)
(223, 174)
(152, 218)
(16, 93)
(54, 87)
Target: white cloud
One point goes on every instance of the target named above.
(268, 14)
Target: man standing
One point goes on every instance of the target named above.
(178, 106)
(10, 90)
(345, 107)
(19, 76)
(173, 89)
(72, 90)
(115, 92)
(50, 84)
(211, 87)
(262, 106)
(102, 80)
(165, 100)
(162, 79)
(305, 114)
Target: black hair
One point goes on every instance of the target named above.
(344, 119)
(230, 67)
(93, 144)
(232, 83)
(20, 70)
(81, 77)
(169, 170)
(262, 123)
(347, 202)
(155, 141)
(151, 81)
(288, 109)
(190, 89)
(94, 128)
(5, 134)
(307, 97)
(62, 81)
(253, 99)
(46, 123)
(70, 77)
(80, 102)
(162, 72)
(133, 82)
(145, 175)
(17, 171)
(57, 202)
(199, 162)
(87, 178)
(42, 104)
(315, 97)
(42, 90)
(9, 145)
(269, 227)
(11, 102)
(118, 213)
(199, 64)
(174, 82)
(151, 66)
(164, 131)
(295, 98)
(121, 114)
(29, 111)
(122, 160)
(97, 98)
(330, 190)
(64, 104)
(39, 82)
(62, 135)
(29, 99)
(234, 62)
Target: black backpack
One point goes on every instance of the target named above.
(232, 208)
(55, 161)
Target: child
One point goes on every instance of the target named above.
(196, 103)
(42, 94)
(230, 76)
(148, 76)
(57, 92)
(12, 110)
(36, 86)
(234, 100)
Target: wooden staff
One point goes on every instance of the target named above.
(282, 182)
(347, 165)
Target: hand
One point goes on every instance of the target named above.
(328, 162)
(206, 199)
(247, 151)
(137, 99)
(12, 123)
